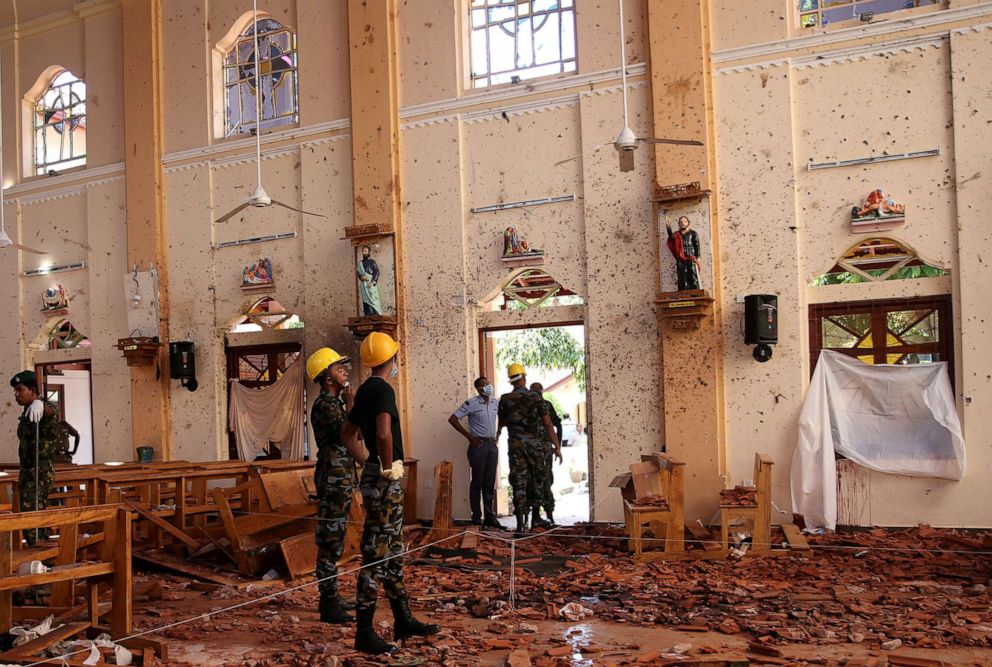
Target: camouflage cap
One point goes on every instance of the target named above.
(28, 378)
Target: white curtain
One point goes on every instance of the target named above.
(269, 414)
(895, 419)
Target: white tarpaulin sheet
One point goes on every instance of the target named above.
(269, 414)
(895, 419)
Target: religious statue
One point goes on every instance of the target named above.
(684, 245)
(54, 298)
(878, 205)
(368, 283)
(258, 275)
(514, 246)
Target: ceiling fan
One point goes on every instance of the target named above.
(5, 240)
(626, 142)
(259, 197)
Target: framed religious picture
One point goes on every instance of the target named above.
(258, 276)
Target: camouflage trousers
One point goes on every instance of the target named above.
(333, 505)
(46, 478)
(525, 464)
(547, 496)
(382, 537)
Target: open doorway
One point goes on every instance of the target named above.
(554, 357)
(67, 385)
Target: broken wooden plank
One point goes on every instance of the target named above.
(797, 541)
(173, 564)
(703, 536)
(300, 554)
(39, 644)
(471, 539)
(164, 525)
(443, 526)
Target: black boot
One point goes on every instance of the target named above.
(405, 625)
(537, 522)
(493, 523)
(366, 639)
(332, 610)
(521, 524)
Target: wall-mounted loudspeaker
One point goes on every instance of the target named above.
(182, 363)
(761, 324)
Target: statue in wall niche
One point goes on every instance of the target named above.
(368, 283)
(878, 205)
(684, 246)
(514, 246)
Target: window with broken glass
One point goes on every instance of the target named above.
(60, 125)
(896, 331)
(814, 13)
(512, 40)
(278, 101)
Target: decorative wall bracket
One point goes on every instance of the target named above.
(665, 194)
(359, 234)
(139, 350)
(360, 327)
(683, 310)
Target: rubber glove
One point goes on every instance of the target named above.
(36, 411)
(395, 472)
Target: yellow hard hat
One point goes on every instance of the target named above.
(514, 370)
(321, 360)
(378, 348)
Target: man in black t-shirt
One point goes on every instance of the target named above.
(376, 415)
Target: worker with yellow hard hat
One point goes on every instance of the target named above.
(376, 415)
(525, 416)
(333, 474)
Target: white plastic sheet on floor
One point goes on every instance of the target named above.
(269, 414)
(895, 419)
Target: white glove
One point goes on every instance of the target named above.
(395, 472)
(36, 411)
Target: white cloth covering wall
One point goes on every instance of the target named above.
(269, 414)
(894, 419)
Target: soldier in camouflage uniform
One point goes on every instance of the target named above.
(377, 417)
(333, 474)
(37, 434)
(63, 453)
(525, 416)
(545, 480)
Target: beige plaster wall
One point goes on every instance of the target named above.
(781, 224)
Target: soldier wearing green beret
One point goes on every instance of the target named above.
(37, 435)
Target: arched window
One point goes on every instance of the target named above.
(877, 259)
(59, 124)
(278, 79)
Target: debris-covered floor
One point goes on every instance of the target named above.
(907, 597)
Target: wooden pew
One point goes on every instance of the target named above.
(112, 562)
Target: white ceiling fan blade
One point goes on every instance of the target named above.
(568, 159)
(576, 157)
(228, 216)
(626, 160)
(298, 210)
(27, 249)
(676, 142)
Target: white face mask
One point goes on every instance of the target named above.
(487, 390)
(394, 372)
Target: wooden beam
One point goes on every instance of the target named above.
(164, 525)
(39, 644)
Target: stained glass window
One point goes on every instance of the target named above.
(513, 40)
(824, 12)
(60, 125)
(277, 80)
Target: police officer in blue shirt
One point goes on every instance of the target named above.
(483, 456)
